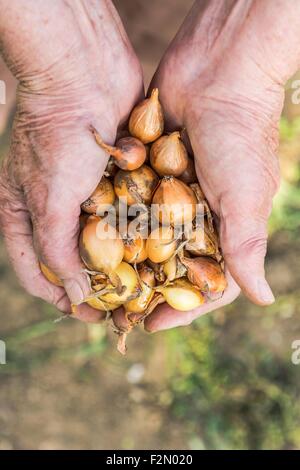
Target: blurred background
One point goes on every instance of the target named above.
(225, 382)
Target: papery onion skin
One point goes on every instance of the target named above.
(100, 253)
(99, 305)
(175, 202)
(128, 279)
(135, 250)
(206, 274)
(140, 304)
(137, 185)
(161, 245)
(168, 155)
(146, 121)
(202, 242)
(50, 276)
(103, 195)
(182, 295)
(189, 175)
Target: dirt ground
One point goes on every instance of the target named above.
(65, 386)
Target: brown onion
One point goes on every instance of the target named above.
(175, 202)
(101, 247)
(103, 195)
(146, 120)
(129, 153)
(182, 295)
(168, 155)
(206, 274)
(136, 186)
(134, 249)
(50, 276)
(147, 282)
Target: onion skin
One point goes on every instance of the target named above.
(128, 279)
(168, 155)
(135, 250)
(103, 195)
(99, 305)
(176, 202)
(50, 276)
(189, 175)
(102, 254)
(140, 304)
(182, 295)
(202, 242)
(137, 185)
(161, 245)
(206, 274)
(146, 121)
(129, 153)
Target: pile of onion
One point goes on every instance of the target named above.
(149, 171)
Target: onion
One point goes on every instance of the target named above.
(168, 155)
(202, 242)
(100, 305)
(206, 274)
(182, 295)
(129, 152)
(175, 202)
(103, 195)
(135, 249)
(189, 175)
(101, 247)
(147, 282)
(137, 185)
(50, 276)
(174, 269)
(146, 120)
(161, 245)
(129, 281)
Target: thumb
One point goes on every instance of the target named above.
(243, 236)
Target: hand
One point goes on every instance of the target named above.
(80, 70)
(218, 81)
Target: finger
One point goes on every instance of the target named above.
(55, 216)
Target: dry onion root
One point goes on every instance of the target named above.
(182, 268)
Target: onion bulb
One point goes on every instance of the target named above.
(50, 276)
(129, 281)
(206, 274)
(134, 249)
(175, 203)
(146, 120)
(173, 269)
(161, 245)
(202, 242)
(129, 153)
(182, 295)
(189, 175)
(100, 305)
(168, 155)
(147, 282)
(103, 195)
(100, 246)
(137, 185)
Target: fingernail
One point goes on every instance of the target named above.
(77, 288)
(265, 293)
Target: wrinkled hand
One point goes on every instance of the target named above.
(54, 163)
(230, 104)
